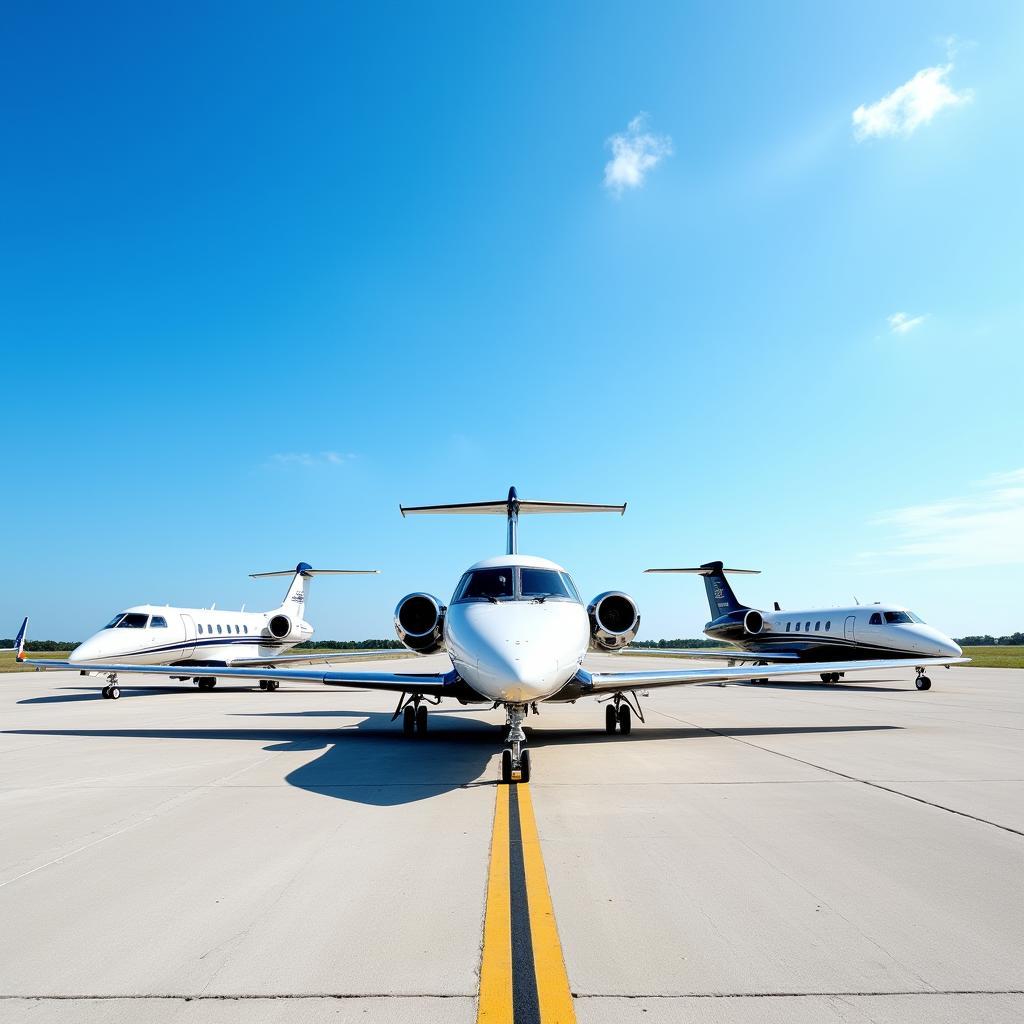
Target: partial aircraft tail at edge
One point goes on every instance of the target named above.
(721, 598)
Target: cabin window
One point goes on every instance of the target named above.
(788, 624)
(218, 629)
(158, 622)
(817, 626)
(133, 620)
(797, 630)
(828, 625)
(875, 620)
(896, 617)
(808, 627)
(246, 628)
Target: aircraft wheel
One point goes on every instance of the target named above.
(610, 719)
(421, 720)
(826, 677)
(272, 684)
(113, 693)
(506, 766)
(625, 719)
(524, 766)
(923, 683)
(207, 684)
(408, 720)
(263, 684)
(106, 692)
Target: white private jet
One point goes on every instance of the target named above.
(516, 631)
(193, 639)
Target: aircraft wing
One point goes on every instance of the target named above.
(612, 682)
(715, 653)
(434, 684)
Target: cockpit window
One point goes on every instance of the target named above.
(133, 620)
(488, 584)
(534, 583)
(158, 622)
(114, 621)
(875, 620)
(893, 617)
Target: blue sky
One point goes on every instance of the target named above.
(269, 270)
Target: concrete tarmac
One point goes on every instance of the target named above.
(775, 853)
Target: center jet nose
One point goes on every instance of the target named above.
(517, 651)
(88, 650)
(931, 642)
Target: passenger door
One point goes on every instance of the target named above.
(190, 636)
(850, 619)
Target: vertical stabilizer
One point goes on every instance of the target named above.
(721, 599)
(294, 602)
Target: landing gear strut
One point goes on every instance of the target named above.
(111, 691)
(619, 713)
(922, 682)
(514, 760)
(413, 710)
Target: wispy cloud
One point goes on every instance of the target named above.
(901, 323)
(983, 527)
(635, 152)
(909, 106)
(310, 458)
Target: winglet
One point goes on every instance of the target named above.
(19, 641)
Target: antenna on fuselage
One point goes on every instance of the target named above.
(512, 507)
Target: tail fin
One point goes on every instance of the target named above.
(721, 599)
(19, 641)
(295, 598)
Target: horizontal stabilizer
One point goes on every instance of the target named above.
(501, 508)
(304, 569)
(707, 570)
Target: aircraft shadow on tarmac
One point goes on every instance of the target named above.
(372, 762)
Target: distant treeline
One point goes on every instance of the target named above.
(661, 644)
(350, 645)
(41, 646)
(1013, 640)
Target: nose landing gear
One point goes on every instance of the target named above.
(515, 762)
(922, 682)
(111, 691)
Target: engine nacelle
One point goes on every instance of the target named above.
(279, 627)
(419, 623)
(614, 621)
(753, 622)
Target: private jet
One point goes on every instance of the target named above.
(198, 641)
(516, 631)
(860, 632)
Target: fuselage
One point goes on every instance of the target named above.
(834, 634)
(516, 629)
(161, 635)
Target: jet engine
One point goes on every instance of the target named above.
(614, 621)
(753, 622)
(279, 627)
(419, 623)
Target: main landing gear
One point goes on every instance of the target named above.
(831, 678)
(413, 709)
(619, 713)
(111, 690)
(269, 685)
(515, 762)
(922, 682)
(206, 682)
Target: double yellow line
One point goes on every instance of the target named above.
(522, 971)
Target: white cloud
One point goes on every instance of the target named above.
(908, 107)
(634, 152)
(901, 323)
(985, 527)
(310, 458)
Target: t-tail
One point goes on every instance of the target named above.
(295, 599)
(512, 508)
(721, 598)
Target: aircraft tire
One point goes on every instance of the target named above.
(421, 720)
(113, 693)
(409, 720)
(923, 683)
(106, 692)
(506, 766)
(524, 766)
(610, 719)
(625, 719)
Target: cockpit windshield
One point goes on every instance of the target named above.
(128, 620)
(893, 618)
(513, 583)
